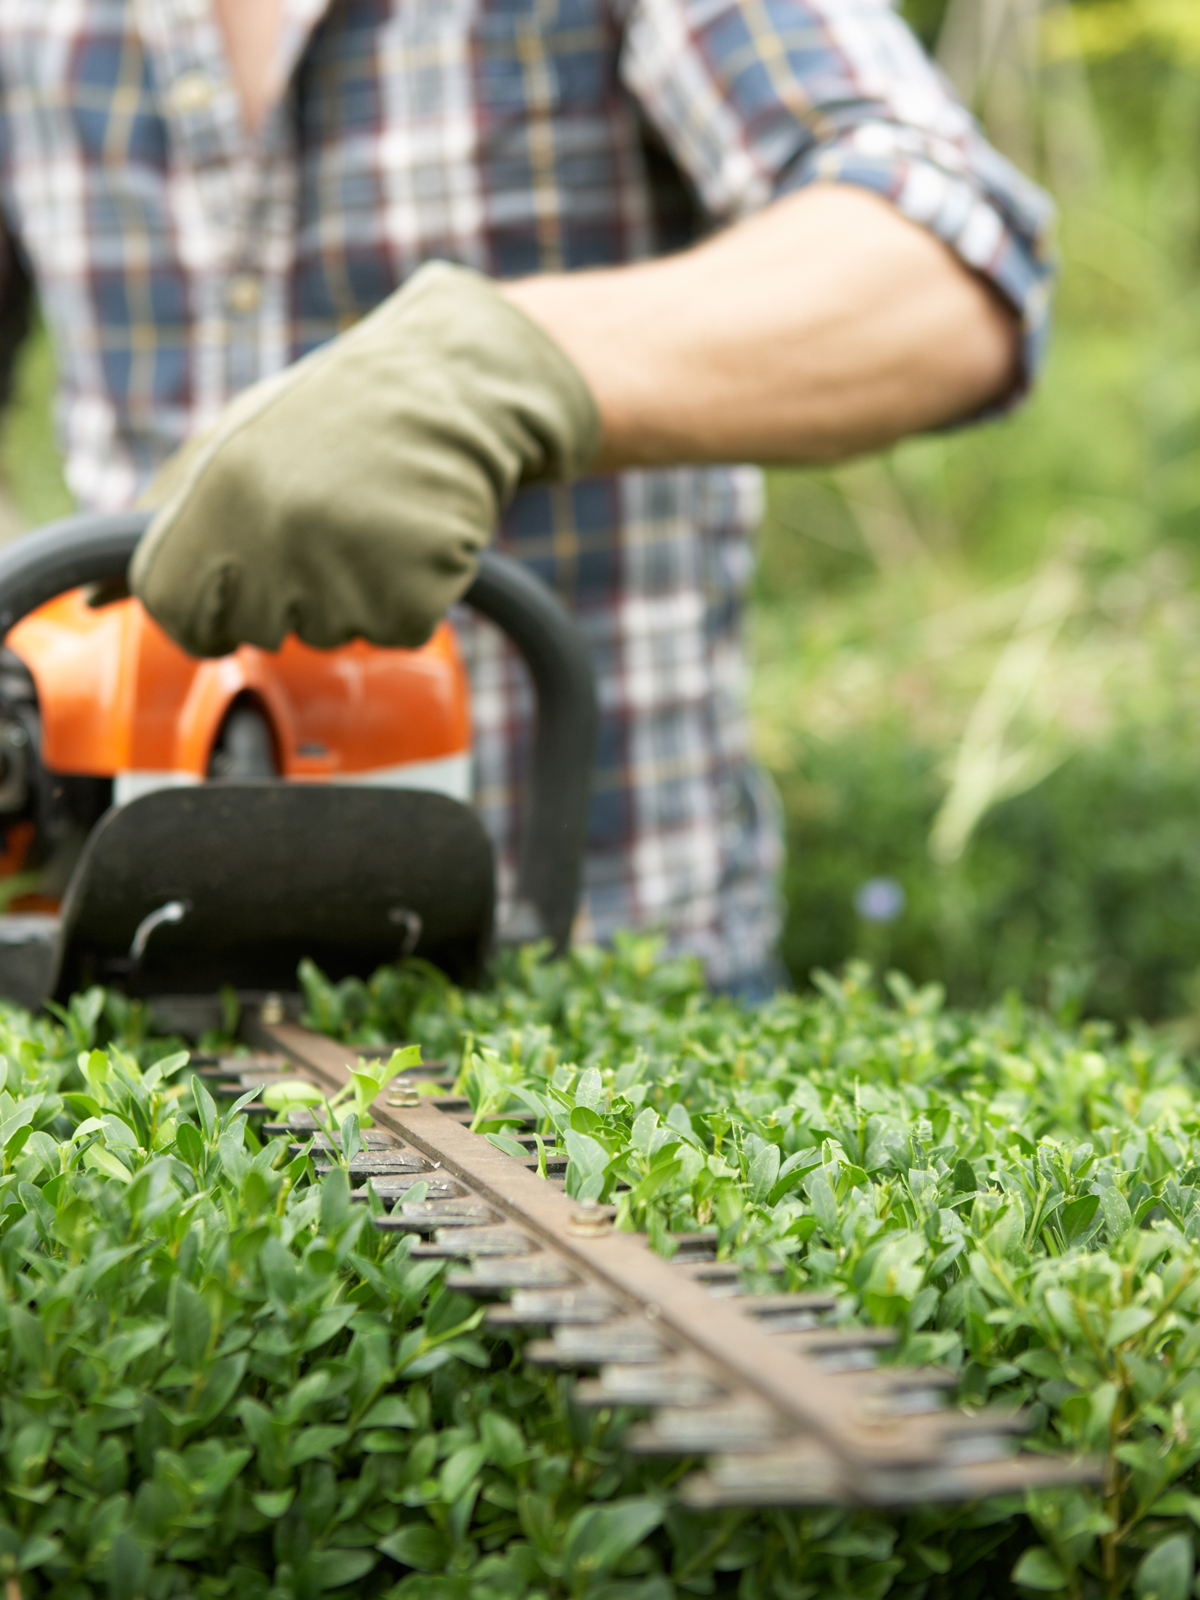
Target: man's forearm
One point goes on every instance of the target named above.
(825, 326)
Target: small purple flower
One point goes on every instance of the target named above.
(879, 900)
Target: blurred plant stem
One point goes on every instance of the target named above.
(1037, 107)
(985, 767)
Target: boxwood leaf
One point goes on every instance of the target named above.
(418, 1545)
(29, 1451)
(310, 1444)
(599, 1537)
(661, 1174)
(191, 1323)
(101, 1160)
(677, 1118)
(20, 1118)
(964, 1179)
(586, 1165)
(1178, 1503)
(82, 1106)
(325, 1325)
(503, 1440)
(287, 1093)
(1077, 1216)
(382, 1442)
(390, 1412)
(584, 1120)
(1037, 1569)
(764, 1169)
(401, 1060)
(509, 1145)
(334, 1569)
(1127, 1322)
(1165, 1573)
(118, 1135)
(791, 1173)
(351, 1136)
(221, 1380)
(279, 1269)
(273, 1502)
(206, 1107)
(165, 1067)
(38, 1550)
(128, 1567)
(96, 1069)
(189, 1144)
(821, 1198)
(335, 1201)
(589, 1091)
(459, 1468)
(643, 1128)
(1117, 1216)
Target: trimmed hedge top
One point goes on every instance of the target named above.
(219, 1379)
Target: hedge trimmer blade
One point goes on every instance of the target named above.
(789, 1407)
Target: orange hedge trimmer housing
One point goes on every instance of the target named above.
(231, 815)
(118, 701)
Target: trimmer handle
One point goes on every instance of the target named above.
(96, 549)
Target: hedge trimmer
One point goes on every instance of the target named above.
(186, 888)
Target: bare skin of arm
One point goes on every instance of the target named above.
(823, 327)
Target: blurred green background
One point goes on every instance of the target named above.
(977, 673)
(977, 663)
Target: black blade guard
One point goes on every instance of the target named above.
(186, 889)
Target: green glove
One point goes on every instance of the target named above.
(350, 496)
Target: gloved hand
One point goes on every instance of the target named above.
(350, 496)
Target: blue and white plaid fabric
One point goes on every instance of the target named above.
(179, 260)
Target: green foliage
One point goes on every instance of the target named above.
(343, 1117)
(1083, 892)
(218, 1378)
(1019, 1199)
(1106, 28)
(893, 599)
(29, 461)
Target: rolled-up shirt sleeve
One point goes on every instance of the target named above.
(756, 98)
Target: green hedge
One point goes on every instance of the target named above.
(1083, 892)
(218, 1379)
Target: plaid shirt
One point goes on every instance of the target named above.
(178, 260)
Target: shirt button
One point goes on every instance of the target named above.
(244, 294)
(191, 91)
